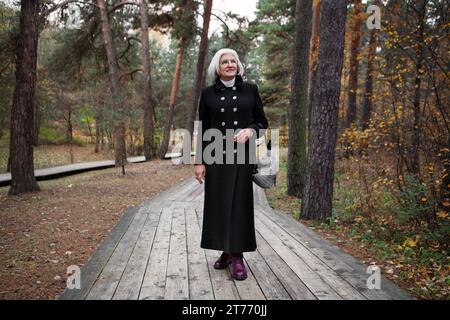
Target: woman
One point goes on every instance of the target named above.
(228, 213)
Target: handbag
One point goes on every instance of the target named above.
(264, 172)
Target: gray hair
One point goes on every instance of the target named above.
(213, 69)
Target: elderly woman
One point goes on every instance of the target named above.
(228, 212)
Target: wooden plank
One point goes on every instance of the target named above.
(290, 281)
(65, 170)
(342, 287)
(249, 288)
(168, 194)
(93, 267)
(310, 278)
(110, 276)
(222, 282)
(177, 287)
(260, 194)
(200, 287)
(183, 191)
(199, 193)
(130, 283)
(344, 264)
(153, 285)
(270, 285)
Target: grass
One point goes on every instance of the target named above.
(56, 152)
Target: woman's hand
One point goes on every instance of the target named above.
(200, 172)
(243, 135)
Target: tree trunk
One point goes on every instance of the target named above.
(415, 161)
(37, 125)
(367, 104)
(24, 102)
(173, 99)
(97, 134)
(318, 191)
(69, 133)
(444, 203)
(313, 56)
(354, 64)
(149, 151)
(298, 108)
(202, 53)
(119, 123)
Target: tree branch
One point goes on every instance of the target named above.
(129, 73)
(121, 4)
(64, 3)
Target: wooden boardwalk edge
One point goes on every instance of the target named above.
(95, 264)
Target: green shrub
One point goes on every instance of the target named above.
(413, 202)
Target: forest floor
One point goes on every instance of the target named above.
(420, 266)
(62, 225)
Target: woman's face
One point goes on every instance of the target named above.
(228, 66)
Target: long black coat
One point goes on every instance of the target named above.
(228, 212)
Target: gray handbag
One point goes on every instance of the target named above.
(264, 174)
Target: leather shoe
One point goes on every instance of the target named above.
(239, 271)
(223, 261)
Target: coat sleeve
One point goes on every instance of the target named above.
(203, 117)
(259, 117)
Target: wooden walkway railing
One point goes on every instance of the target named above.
(154, 253)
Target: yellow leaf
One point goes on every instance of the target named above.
(409, 242)
(442, 214)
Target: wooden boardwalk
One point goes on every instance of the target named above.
(154, 253)
(74, 168)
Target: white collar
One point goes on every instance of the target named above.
(228, 83)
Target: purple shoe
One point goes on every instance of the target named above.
(223, 261)
(239, 271)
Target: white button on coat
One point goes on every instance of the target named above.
(235, 122)
(234, 109)
(223, 123)
(234, 97)
(222, 98)
(222, 110)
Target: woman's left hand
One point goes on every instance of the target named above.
(243, 135)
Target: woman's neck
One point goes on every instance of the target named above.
(229, 82)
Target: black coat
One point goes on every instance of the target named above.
(228, 212)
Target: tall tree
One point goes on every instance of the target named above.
(24, 101)
(202, 54)
(184, 31)
(420, 10)
(298, 109)
(173, 99)
(367, 105)
(313, 55)
(149, 151)
(354, 64)
(119, 123)
(318, 190)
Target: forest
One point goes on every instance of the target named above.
(357, 89)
